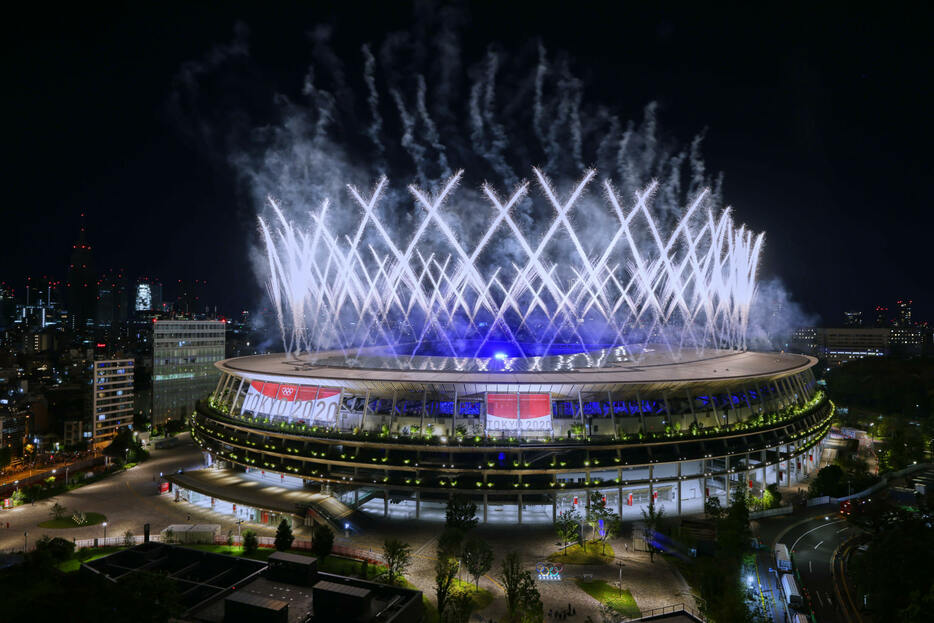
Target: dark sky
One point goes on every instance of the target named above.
(820, 121)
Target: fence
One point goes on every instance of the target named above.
(370, 556)
(652, 613)
(781, 510)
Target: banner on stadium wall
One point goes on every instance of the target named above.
(518, 412)
(311, 404)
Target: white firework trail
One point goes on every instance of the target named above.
(691, 286)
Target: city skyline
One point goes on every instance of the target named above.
(802, 175)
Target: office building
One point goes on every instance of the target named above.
(112, 298)
(82, 284)
(839, 345)
(184, 353)
(112, 398)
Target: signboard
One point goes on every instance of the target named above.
(311, 404)
(549, 571)
(518, 413)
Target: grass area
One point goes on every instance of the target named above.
(67, 522)
(481, 599)
(75, 563)
(337, 565)
(592, 554)
(621, 601)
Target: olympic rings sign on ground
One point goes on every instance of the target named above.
(549, 571)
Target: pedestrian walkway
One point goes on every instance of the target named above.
(250, 489)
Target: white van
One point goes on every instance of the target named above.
(782, 558)
(792, 594)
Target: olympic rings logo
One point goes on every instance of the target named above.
(549, 570)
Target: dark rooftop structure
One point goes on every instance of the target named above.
(200, 576)
(216, 588)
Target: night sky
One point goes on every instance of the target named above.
(821, 123)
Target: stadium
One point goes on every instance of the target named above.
(524, 445)
(526, 367)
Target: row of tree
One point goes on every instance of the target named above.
(600, 518)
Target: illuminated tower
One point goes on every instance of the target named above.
(82, 284)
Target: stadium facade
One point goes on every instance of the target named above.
(525, 438)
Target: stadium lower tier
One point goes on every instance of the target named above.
(518, 480)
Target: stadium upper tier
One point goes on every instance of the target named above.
(594, 393)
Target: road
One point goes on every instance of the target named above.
(812, 542)
(129, 499)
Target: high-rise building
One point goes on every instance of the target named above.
(184, 353)
(852, 319)
(112, 399)
(881, 317)
(903, 313)
(112, 298)
(82, 284)
(143, 301)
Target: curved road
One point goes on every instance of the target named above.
(812, 543)
(128, 499)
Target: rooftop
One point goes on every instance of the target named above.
(600, 369)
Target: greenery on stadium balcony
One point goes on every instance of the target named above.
(429, 437)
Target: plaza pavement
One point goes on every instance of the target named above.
(130, 499)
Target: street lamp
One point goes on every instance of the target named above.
(619, 565)
(105, 529)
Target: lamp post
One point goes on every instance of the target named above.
(25, 541)
(105, 530)
(619, 565)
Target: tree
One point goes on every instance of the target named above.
(511, 578)
(445, 572)
(284, 536)
(651, 517)
(567, 525)
(398, 557)
(611, 527)
(829, 481)
(523, 601)
(458, 607)
(478, 559)
(56, 549)
(250, 542)
(597, 512)
(322, 540)
(775, 496)
(461, 513)
(451, 542)
(713, 508)
(128, 539)
(58, 511)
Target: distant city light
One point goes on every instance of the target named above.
(500, 356)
